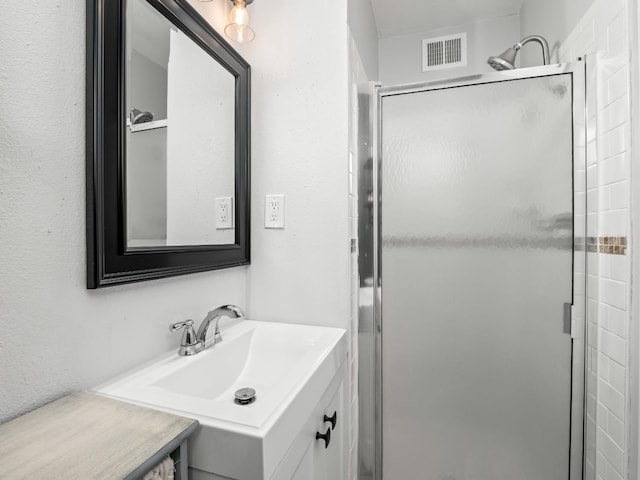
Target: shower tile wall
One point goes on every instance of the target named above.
(603, 35)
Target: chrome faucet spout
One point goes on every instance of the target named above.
(193, 343)
(230, 311)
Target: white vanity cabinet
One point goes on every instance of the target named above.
(299, 375)
(308, 457)
(322, 462)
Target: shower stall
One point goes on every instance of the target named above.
(472, 267)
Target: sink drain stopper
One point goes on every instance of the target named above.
(245, 396)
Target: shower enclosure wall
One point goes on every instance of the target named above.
(472, 261)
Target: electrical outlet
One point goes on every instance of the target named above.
(274, 211)
(224, 213)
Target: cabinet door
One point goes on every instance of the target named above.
(304, 471)
(318, 462)
(329, 463)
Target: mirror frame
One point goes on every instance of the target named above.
(109, 260)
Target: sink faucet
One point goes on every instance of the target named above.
(193, 343)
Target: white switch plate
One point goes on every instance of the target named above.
(274, 211)
(224, 213)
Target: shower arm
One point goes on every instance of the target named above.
(543, 43)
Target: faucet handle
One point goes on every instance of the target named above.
(174, 327)
(190, 343)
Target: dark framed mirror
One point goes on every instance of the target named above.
(168, 144)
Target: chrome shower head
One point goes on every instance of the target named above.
(507, 59)
(137, 116)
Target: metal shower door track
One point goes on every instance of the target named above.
(482, 78)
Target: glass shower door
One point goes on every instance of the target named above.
(476, 266)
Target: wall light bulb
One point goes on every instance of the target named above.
(239, 15)
(238, 30)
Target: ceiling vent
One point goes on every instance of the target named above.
(444, 52)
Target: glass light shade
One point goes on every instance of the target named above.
(239, 33)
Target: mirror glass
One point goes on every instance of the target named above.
(180, 137)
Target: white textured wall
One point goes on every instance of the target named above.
(299, 71)
(552, 19)
(299, 149)
(56, 335)
(401, 56)
(362, 25)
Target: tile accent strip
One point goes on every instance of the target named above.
(609, 245)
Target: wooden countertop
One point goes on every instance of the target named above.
(87, 436)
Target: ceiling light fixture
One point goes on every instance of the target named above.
(239, 30)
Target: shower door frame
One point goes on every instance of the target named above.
(578, 310)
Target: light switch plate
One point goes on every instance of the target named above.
(274, 211)
(224, 213)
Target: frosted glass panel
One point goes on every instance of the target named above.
(476, 266)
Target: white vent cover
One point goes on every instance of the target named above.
(444, 52)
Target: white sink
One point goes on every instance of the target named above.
(288, 365)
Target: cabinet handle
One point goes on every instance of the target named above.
(324, 436)
(332, 419)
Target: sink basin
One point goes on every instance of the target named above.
(288, 365)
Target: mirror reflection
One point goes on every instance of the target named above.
(180, 137)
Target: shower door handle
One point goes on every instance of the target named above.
(567, 323)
